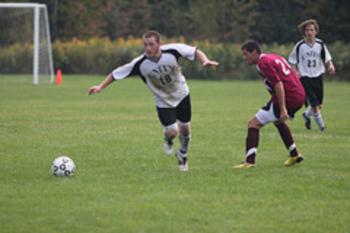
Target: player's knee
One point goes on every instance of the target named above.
(254, 123)
(315, 109)
(185, 128)
(279, 125)
(171, 130)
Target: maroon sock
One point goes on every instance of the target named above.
(252, 142)
(287, 138)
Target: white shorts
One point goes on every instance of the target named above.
(266, 114)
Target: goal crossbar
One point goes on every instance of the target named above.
(21, 5)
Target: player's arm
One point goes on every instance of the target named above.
(295, 68)
(202, 57)
(119, 73)
(330, 67)
(105, 83)
(281, 98)
(328, 61)
(293, 61)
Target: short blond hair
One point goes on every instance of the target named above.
(306, 23)
(151, 33)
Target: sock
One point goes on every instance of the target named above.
(184, 141)
(287, 138)
(252, 142)
(308, 112)
(319, 120)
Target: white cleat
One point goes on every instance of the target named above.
(183, 168)
(182, 158)
(168, 148)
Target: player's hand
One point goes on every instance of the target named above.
(284, 116)
(331, 69)
(210, 63)
(94, 90)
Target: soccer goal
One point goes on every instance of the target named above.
(25, 43)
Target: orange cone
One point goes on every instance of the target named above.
(58, 77)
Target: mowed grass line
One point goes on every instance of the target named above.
(124, 183)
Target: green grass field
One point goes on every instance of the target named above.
(124, 183)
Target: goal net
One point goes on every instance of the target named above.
(25, 44)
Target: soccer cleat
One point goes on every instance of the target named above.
(168, 147)
(244, 165)
(182, 158)
(293, 160)
(307, 121)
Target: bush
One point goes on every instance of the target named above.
(101, 56)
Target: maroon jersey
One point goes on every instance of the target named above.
(273, 69)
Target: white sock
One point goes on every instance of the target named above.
(308, 111)
(319, 120)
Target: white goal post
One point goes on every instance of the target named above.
(16, 19)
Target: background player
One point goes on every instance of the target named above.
(309, 57)
(287, 97)
(159, 69)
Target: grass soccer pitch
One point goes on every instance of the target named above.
(124, 182)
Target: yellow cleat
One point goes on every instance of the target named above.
(244, 165)
(293, 160)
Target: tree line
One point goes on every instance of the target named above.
(268, 21)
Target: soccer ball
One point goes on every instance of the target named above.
(63, 166)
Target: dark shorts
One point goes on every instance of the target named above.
(181, 112)
(313, 89)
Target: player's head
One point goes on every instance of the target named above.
(251, 51)
(309, 28)
(151, 42)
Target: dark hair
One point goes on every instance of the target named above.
(306, 23)
(149, 34)
(251, 45)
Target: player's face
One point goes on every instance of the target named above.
(151, 47)
(250, 57)
(310, 31)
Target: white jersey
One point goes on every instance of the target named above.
(310, 59)
(163, 77)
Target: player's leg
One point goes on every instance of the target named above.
(307, 114)
(287, 138)
(316, 105)
(318, 117)
(252, 140)
(167, 117)
(263, 117)
(183, 114)
(184, 136)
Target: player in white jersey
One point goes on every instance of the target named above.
(310, 57)
(159, 69)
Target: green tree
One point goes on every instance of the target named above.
(127, 17)
(225, 21)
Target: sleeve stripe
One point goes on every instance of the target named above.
(174, 52)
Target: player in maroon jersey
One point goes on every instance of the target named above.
(287, 97)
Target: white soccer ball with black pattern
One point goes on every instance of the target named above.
(63, 166)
